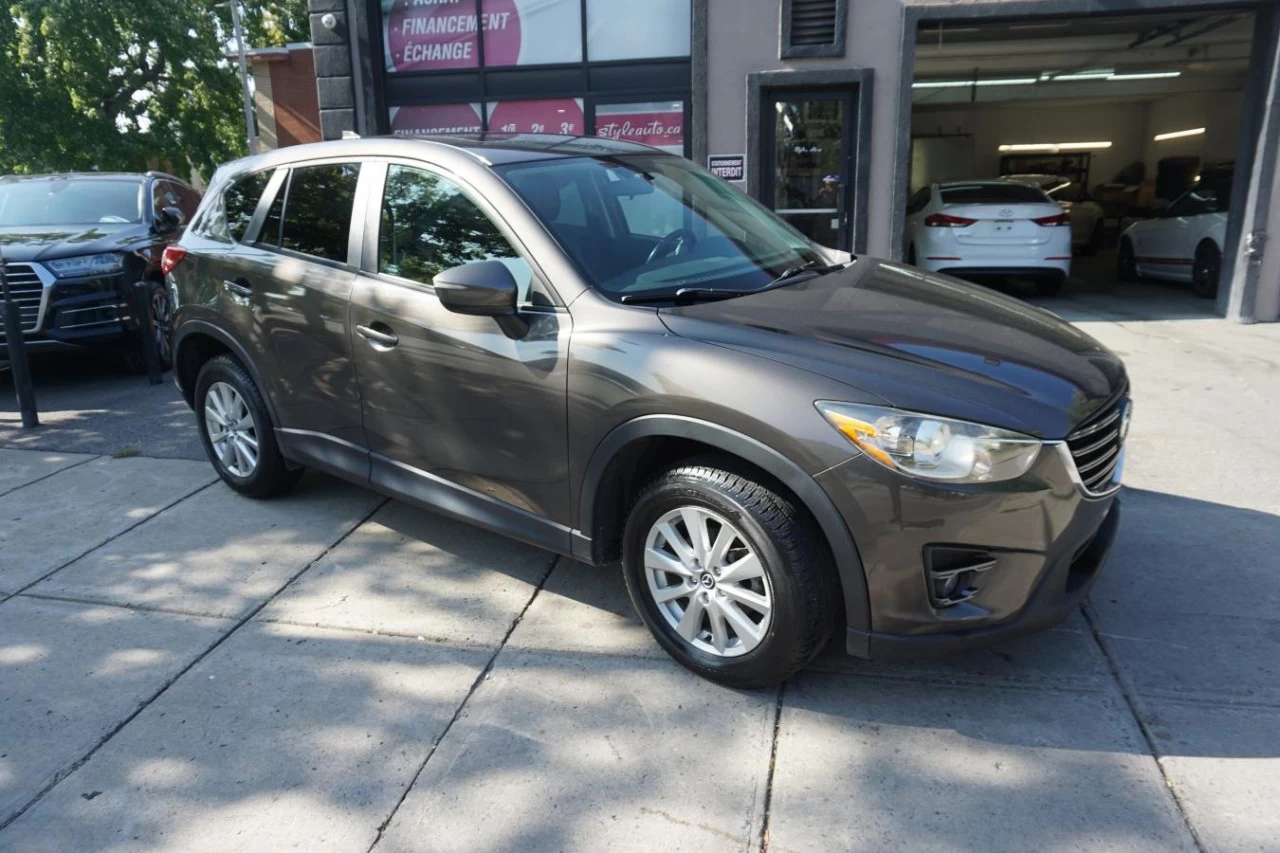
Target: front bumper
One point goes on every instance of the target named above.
(77, 313)
(1043, 539)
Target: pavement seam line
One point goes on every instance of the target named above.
(66, 772)
(50, 474)
(773, 763)
(1132, 701)
(109, 540)
(142, 608)
(457, 712)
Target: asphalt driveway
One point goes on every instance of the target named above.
(184, 669)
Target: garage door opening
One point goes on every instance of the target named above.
(1129, 124)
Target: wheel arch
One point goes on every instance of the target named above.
(197, 341)
(626, 445)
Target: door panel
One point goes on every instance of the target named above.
(809, 163)
(450, 395)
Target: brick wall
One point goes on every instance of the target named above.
(293, 92)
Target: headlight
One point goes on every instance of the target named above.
(87, 265)
(933, 448)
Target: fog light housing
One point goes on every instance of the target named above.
(954, 574)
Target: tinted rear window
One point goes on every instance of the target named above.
(993, 194)
(317, 211)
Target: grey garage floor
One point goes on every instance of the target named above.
(182, 669)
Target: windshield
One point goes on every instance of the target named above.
(68, 201)
(652, 223)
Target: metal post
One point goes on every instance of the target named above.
(142, 312)
(18, 355)
(250, 126)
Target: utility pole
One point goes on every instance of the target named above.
(251, 132)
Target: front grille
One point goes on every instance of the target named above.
(1097, 447)
(27, 291)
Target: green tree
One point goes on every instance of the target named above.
(127, 84)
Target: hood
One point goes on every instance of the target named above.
(45, 242)
(921, 342)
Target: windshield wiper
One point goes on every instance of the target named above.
(816, 267)
(683, 296)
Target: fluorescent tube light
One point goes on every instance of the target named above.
(1178, 134)
(963, 84)
(1146, 75)
(1095, 74)
(1054, 147)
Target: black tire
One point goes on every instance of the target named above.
(1206, 270)
(1126, 262)
(1050, 285)
(162, 328)
(796, 564)
(911, 254)
(270, 476)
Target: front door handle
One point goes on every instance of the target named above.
(239, 287)
(382, 337)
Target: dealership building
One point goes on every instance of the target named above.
(834, 112)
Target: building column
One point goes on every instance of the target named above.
(331, 50)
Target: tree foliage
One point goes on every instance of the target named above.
(127, 84)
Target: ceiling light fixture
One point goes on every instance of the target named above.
(1146, 75)
(1067, 76)
(1178, 134)
(1054, 147)
(962, 84)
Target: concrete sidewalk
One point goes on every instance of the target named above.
(184, 669)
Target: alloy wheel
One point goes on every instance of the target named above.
(708, 582)
(160, 316)
(1204, 275)
(231, 430)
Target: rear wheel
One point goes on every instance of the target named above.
(1206, 270)
(1050, 285)
(1095, 240)
(730, 577)
(1126, 263)
(237, 432)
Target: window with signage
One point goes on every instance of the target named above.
(317, 212)
(429, 226)
(570, 67)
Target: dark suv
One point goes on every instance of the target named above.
(602, 350)
(74, 246)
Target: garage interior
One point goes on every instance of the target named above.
(1134, 108)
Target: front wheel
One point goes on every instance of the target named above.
(1126, 262)
(237, 432)
(730, 577)
(161, 329)
(1205, 271)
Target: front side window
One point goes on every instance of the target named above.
(71, 201)
(429, 225)
(656, 223)
(317, 210)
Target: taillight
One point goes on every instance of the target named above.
(172, 256)
(944, 220)
(1057, 219)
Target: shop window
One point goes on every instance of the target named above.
(436, 120)
(813, 28)
(656, 123)
(626, 29)
(429, 37)
(531, 32)
(554, 115)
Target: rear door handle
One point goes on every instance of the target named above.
(383, 337)
(239, 287)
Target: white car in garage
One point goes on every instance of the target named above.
(990, 228)
(1184, 242)
(1086, 214)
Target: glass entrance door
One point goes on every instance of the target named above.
(808, 158)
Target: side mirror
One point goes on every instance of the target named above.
(168, 220)
(482, 289)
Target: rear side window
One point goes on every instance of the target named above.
(918, 201)
(241, 200)
(317, 210)
(993, 194)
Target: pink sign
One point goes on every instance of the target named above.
(556, 115)
(435, 120)
(428, 35)
(658, 124)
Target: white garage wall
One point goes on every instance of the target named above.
(993, 125)
(1217, 112)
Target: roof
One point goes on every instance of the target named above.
(138, 176)
(489, 149)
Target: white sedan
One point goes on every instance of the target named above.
(1086, 214)
(990, 228)
(1184, 242)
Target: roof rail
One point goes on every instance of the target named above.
(152, 173)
